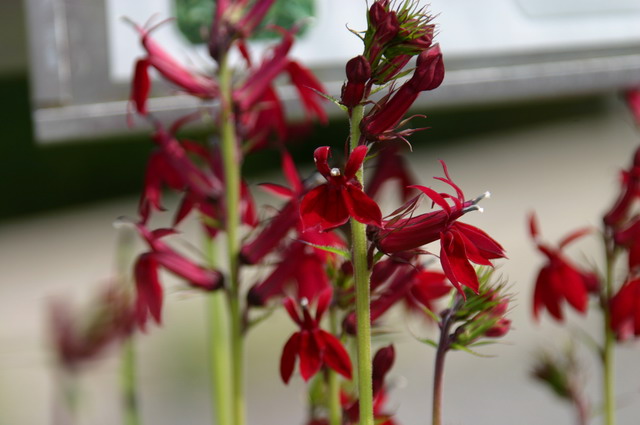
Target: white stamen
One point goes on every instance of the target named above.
(304, 302)
(335, 172)
(480, 209)
(487, 194)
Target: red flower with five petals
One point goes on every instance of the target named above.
(313, 346)
(560, 279)
(460, 244)
(331, 204)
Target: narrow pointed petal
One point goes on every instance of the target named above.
(141, 86)
(361, 207)
(148, 289)
(310, 357)
(321, 158)
(356, 158)
(335, 356)
(288, 358)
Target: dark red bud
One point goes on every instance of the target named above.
(429, 71)
(358, 70)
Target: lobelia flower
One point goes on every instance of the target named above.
(149, 292)
(629, 239)
(633, 102)
(301, 263)
(314, 347)
(625, 310)
(629, 193)
(385, 117)
(78, 339)
(331, 204)
(286, 219)
(193, 83)
(391, 166)
(559, 279)
(460, 243)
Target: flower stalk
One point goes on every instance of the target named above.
(361, 275)
(219, 354)
(438, 371)
(128, 383)
(333, 399)
(608, 381)
(231, 166)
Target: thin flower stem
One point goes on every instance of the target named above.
(231, 165)
(128, 374)
(438, 372)
(362, 275)
(608, 385)
(335, 409)
(219, 349)
(128, 383)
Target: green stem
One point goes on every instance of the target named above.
(128, 383)
(608, 386)
(232, 166)
(219, 347)
(128, 378)
(361, 276)
(335, 409)
(438, 372)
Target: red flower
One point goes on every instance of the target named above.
(629, 193)
(331, 204)
(625, 310)
(428, 75)
(286, 219)
(192, 83)
(313, 346)
(559, 279)
(460, 244)
(629, 238)
(302, 264)
(633, 101)
(149, 292)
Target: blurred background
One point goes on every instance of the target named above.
(539, 146)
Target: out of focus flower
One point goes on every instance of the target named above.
(633, 101)
(625, 310)
(391, 166)
(559, 279)
(301, 264)
(191, 82)
(331, 204)
(313, 346)
(460, 244)
(78, 338)
(149, 292)
(629, 193)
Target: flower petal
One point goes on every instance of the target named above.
(323, 208)
(360, 206)
(288, 358)
(334, 355)
(356, 158)
(310, 357)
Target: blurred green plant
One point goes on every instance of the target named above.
(194, 18)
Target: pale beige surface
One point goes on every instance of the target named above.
(566, 170)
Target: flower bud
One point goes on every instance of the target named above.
(358, 73)
(429, 71)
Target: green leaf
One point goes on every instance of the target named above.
(332, 249)
(330, 98)
(468, 350)
(428, 342)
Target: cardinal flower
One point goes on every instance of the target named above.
(630, 193)
(149, 292)
(313, 346)
(460, 244)
(331, 204)
(625, 310)
(559, 279)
